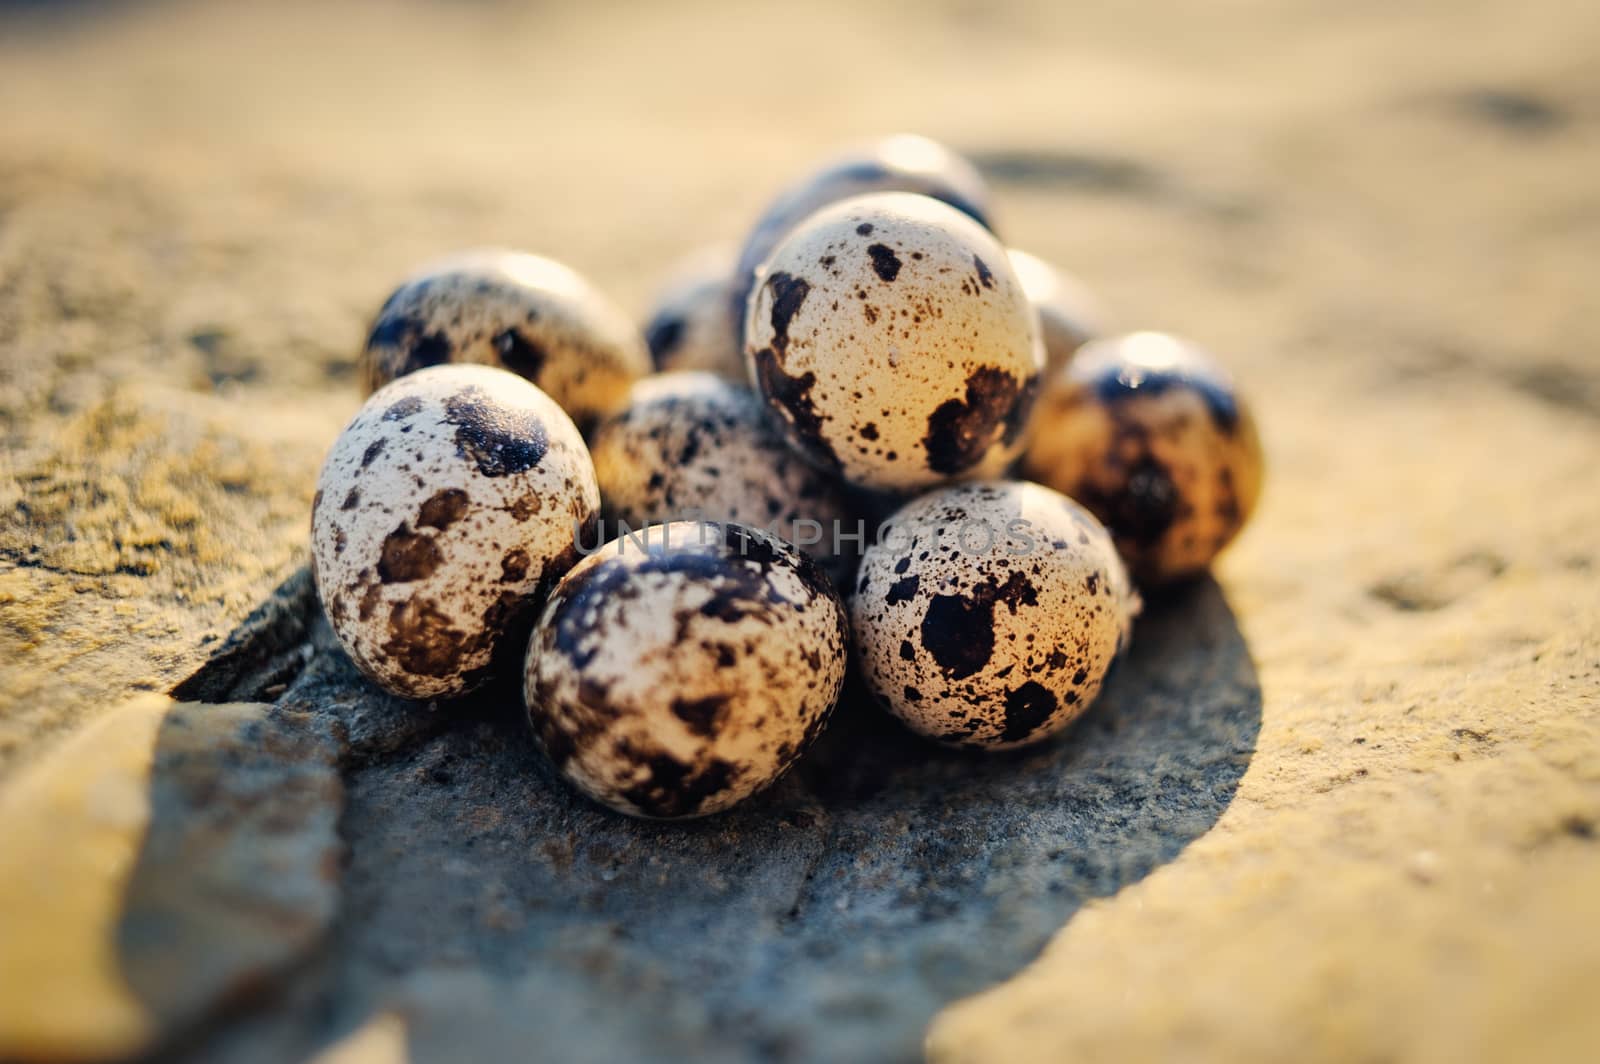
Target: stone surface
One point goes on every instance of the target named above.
(828, 919)
(1382, 218)
(167, 860)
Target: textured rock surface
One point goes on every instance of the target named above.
(169, 859)
(1382, 218)
(828, 919)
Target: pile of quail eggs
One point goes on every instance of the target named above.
(650, 528)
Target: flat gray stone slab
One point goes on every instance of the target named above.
(828, 919)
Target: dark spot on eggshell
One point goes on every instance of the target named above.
(885, 263)
(1027, 709)
(757, 549)
(369, 602)
(592, 692)
(443, 509)
(557, 567)
(961, 432)
(700, 715)
(525, 506)
(407, 556)
(559, 743)
(500, 440)
(869, 431)
(663, 335)
(791, 398)
(1227, 508)
(402, 408)
(985, 276)
(691, 445)
(507, 624)
(1118, 384)
(864, 229)
(954, 632)
(788, 295)
(422, 641)
(907, 651)
(1016, 418)
(352, 499)
(673, 789)
(418, 348)
(370, 455)
(514, 567)
(519, 354)
(958, 630)
(1141, 513)
(902, 590)
(583, 725)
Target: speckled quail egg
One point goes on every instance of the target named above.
(677, 676)
(696, 446)
(894, 343)
(1069, 315)
(903, 162)
(454, 495)
(689, 326)
(530, 315)
(988, 613)
(1147, 431)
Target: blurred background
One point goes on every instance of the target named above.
(1383, 216)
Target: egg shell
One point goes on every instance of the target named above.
(696, 446)
(677, 677)
(1147, 431)
(451, 499)
(688, 327)
(1069, 314)
(902, 162)
(519, 312)
(988, 614)
(894, 344)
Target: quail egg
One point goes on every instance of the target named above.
(676, 675)
(693, 445)
(689, 327)
(1147, 431)
(1069, 316)
(988, 613)
(530, 315)
(903, 162)
(455, 494)
(894, 343)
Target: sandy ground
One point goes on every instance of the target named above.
(1384, 217)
